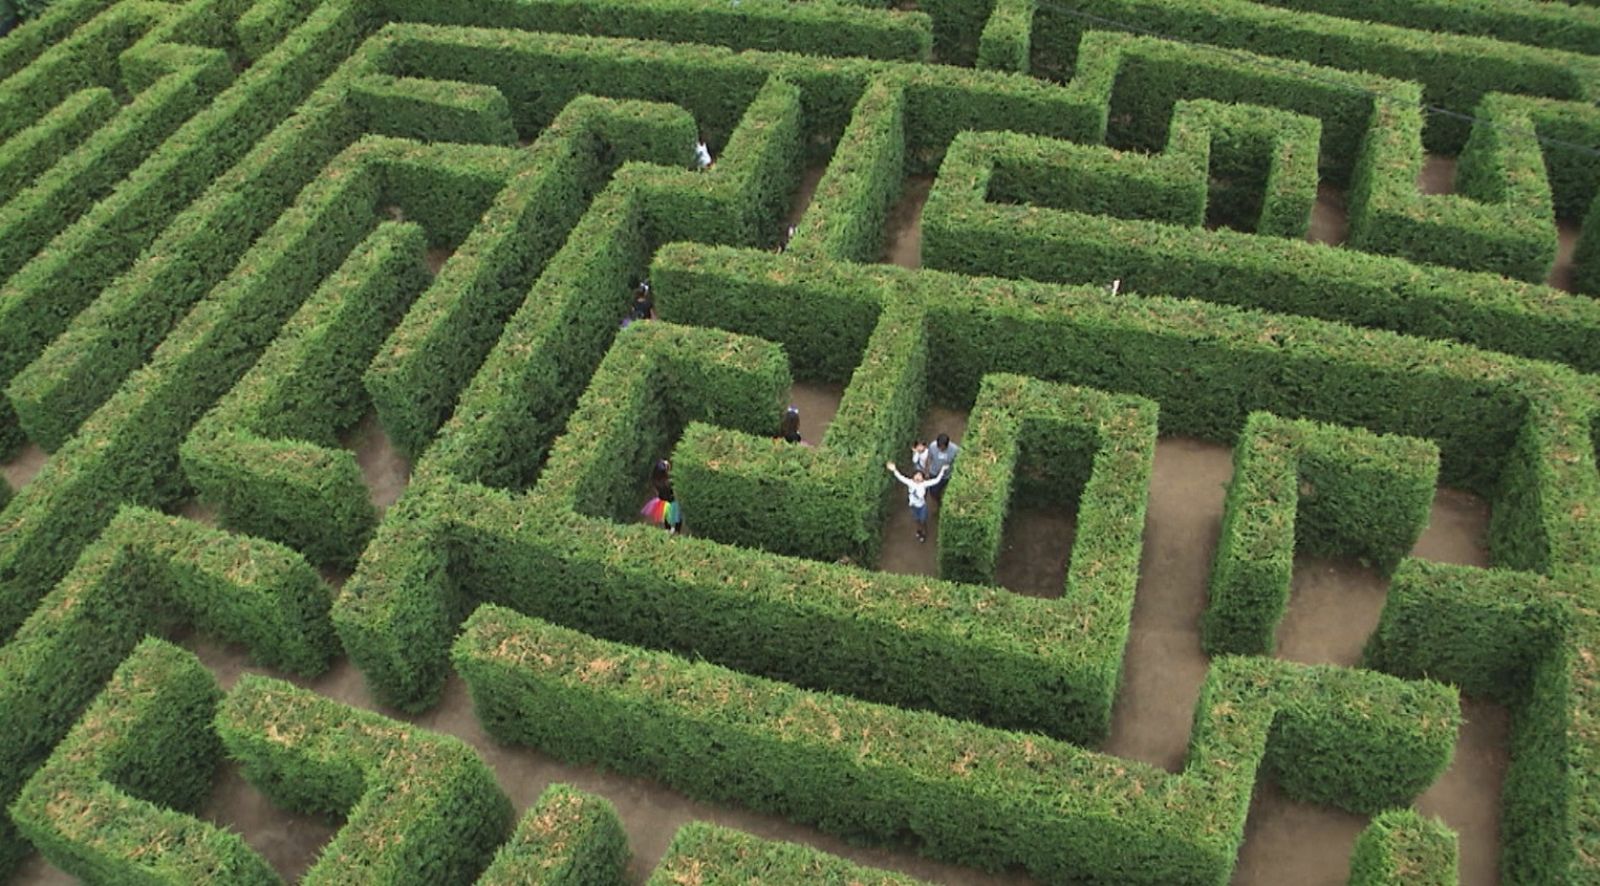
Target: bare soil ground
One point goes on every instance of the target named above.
(803, 194)
(385, 469)
(21, 468)
(903, 243)
(1561, 273)
(1330, 223)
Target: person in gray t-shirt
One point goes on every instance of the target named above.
(941, 461)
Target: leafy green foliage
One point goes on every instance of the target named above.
(1502, 220)
(1401, 848)
(418, 807)
(147, 211)
(1455, 71)
(148, 572)
(717, 856)
(568, 838)
(813, 28)
(1309, 488)
(964, 231)
(964, 792)
(264, 455)
(109, 806)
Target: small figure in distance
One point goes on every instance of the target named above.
(663, 508)
(702, 154)
(789, 427)
(788, 234)
(1116, 286)
(643, 307)
(917, 486)
(941, 461)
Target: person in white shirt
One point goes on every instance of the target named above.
(942, 460)
(702, 154)
(917, 486)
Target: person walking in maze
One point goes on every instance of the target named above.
(663, 508)
(644, 305)
(917, 486)
(702, 153)
(789, 427)
(941, 461)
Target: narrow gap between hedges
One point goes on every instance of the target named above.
(903, 229)
(19, 470)
(384, 469)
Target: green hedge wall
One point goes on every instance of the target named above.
(126, 452)
(418, 807)
(568, 838)
(1510, 637)
(1263, 171)
(1057, 439)
(147, 210)
(1586, 255)
(1455, 71)
(717, 856)
(965, 792)
(1502, 218)
(109, 806)
(1574, 179)
(1483, 630)
(1401, 848)
(148, 572)
(1302, 487)
(429, 358)
(39, 147)
(962, 232)
(1515, 431)
(1249, 167)
(267, 455)
(824, 29)
(1006, 41)
(24, 44)
(1568, 26)
(825, 503)
(88, 57)
(424, 363)
(435, 110)
(1168, 188)
(845, 220)
(540, 72)
(88, 173)
(266, 22)
(656, 380)
(1512, 430)
(1137, 82)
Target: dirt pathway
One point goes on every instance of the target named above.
(903, 245)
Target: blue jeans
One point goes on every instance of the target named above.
(920, 513)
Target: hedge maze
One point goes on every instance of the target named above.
(232, 231)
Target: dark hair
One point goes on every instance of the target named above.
(659, 472)
(789, 427)
(943, 440)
